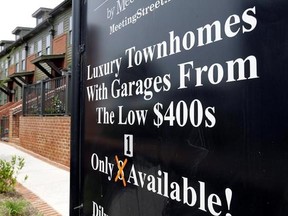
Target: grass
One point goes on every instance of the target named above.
(13, 204)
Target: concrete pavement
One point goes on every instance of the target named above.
(50, 183)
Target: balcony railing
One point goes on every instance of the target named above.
(49, 97)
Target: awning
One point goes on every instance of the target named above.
(18, 77)
(51, 61)
(3, 87)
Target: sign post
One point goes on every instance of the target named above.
(183, 107)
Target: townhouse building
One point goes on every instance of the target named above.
(35, 72)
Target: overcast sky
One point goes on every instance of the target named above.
(16, 13)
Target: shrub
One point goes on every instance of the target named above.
(9, 171)
(17, 207)
(13, 207)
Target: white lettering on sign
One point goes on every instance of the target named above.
(98, 210)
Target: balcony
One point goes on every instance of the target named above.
(49, 97)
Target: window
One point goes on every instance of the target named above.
(31, 49)
(1, 70)
(70, 30)
(17, 57)
(12, 60)
(39, 48)
(60, 28)
(48, 44)
(23, 60)
(17, 37)
(39, 20)
(17, 67)
(6, 68)
(17, 61)
(1, 48)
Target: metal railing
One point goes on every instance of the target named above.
(49, 97)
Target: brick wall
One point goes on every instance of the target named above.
(14, 127)
(46, 136)
(11, 69)
(5, 109)
(59, 44)
(30, 66)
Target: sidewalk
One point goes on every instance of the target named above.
(48, 182)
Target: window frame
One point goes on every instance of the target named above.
(48, 45)
(39, 47)
(60, 28)
(23, 60)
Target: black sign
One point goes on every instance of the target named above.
(185, 108)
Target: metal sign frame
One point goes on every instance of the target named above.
(231, 159)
